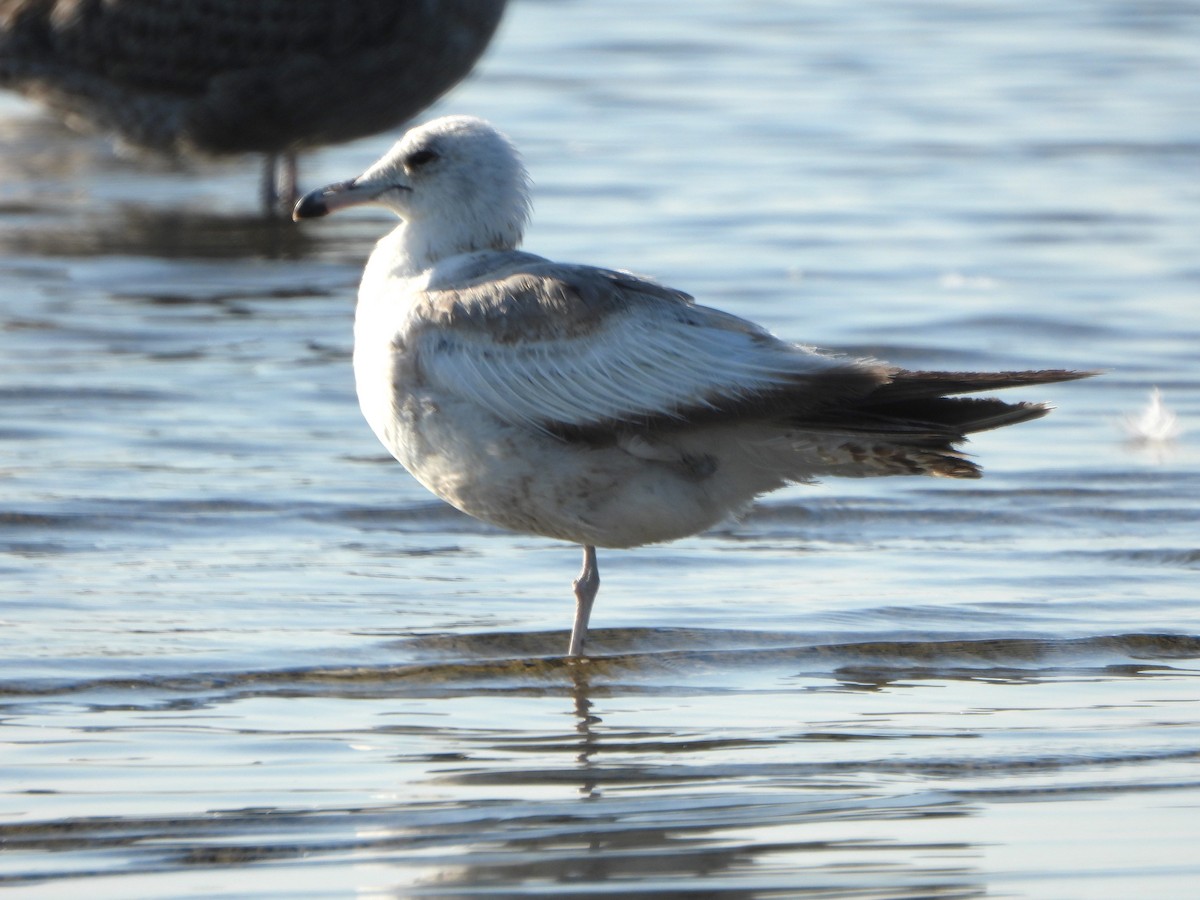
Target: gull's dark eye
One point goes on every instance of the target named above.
(418, 158)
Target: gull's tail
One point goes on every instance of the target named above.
(912, 423)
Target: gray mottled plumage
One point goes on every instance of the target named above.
(217, 77)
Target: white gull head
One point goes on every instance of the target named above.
(457, 182)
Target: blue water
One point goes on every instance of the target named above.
(242, 653)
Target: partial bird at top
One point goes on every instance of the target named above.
(221, 77)
(594, 406)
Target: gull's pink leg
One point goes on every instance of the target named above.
(585, 586)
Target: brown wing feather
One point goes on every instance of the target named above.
(907, 384)
(910, 426)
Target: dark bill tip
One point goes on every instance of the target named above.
(311, 206)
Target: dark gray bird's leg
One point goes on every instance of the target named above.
(288, 191)
(585, 586)
(279, 192)
(269, 187)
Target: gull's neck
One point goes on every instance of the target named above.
(403, 254)
(416, 247)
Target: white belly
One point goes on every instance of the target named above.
(528, 482)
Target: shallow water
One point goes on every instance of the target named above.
(246, 655)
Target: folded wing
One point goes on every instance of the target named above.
(573, 350)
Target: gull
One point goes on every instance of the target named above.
(222, 77)
(595, 406)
